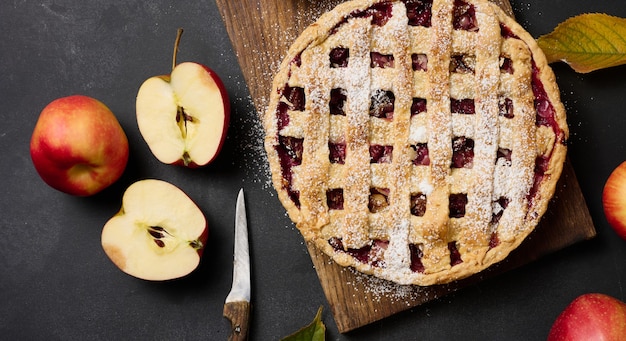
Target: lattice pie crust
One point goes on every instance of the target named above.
(419, 141)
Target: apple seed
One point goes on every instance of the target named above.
(158, 233)
(182, 118)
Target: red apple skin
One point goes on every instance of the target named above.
(78, 146)
(614, 200)
(226, 103)
(591, 316)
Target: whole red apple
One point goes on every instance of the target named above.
(591, 317)
(78, 146)
(614, 200)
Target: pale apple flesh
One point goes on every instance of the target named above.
(78, 146)
(184, 117)
(159, 233)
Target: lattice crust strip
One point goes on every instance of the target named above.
(416, 140)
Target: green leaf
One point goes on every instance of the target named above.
(587, 42)
(315, 331)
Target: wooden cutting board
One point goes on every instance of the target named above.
(261, 31)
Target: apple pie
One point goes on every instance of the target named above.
(419, 141)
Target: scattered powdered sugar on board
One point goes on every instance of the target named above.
(253, 158)
(320, 7)
(378, 289)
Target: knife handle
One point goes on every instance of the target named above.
(238, 313)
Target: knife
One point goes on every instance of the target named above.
(237, 305)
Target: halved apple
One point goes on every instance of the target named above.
(159, 233)
(184, 116)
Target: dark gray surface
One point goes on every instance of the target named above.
(57, 283)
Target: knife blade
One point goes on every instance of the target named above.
(237, 305)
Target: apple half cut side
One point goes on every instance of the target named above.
(159, 233)
(184, 117)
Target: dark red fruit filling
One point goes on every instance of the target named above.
(505, 107)
(337, 153)
(494, 240)
(464, 16)
(289, 151)
(505, 154)
(416, 258)
(462, 106)
(418, 204)
(545, 116)
(282, 115)
(297, 60)
(382, 104)
(366, 255)
(380, 13)
(362, 254)
(462, 152)
(419, 62)
(334, 199)
(337, 101)
(506, 65)
(541, 166)
(457, 203)
(381, 154)
(381, 60)
(419, 12)
(418, 106)
(455, 256)
(506, 32)
(421, 157)
(461, 63)
(545, 110)
(295, 97)
(378, 199)
(502, 202)
(339, 57)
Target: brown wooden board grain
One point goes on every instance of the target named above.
(261, 32)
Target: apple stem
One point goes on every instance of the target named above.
(179, 33)
(196, 244)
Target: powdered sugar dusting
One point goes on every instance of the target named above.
(253, 154)
(379, 289)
